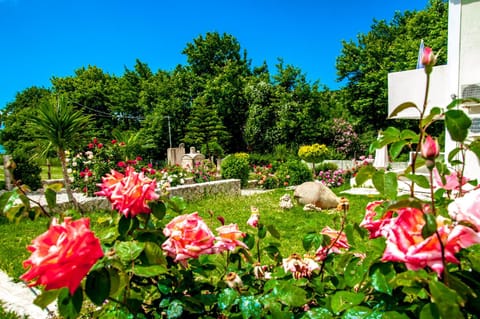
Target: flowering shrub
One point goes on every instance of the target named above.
(204, 171)
(332, 178)
(345, 140)
(172, 175)
(409, 258)
(266, 177)
(88, 167)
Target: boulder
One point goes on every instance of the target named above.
(316, 193)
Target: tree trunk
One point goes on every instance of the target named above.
(66, 180)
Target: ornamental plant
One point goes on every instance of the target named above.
(314, 153)
(410, 257)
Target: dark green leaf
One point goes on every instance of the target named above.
(97, 286)
(124, 225)
(343, 300)
(128, 251)
(158, 209)
(273, 252)
(475, 148)
(430, 226)
(175, 309)
(250, 307)
(355, 272)
(453, 153)
(262, 231)
(291, 295)
(457, 123)
(409, 135)
(273, 231)
(249, 240)
(382, 278)
(357, 312)
(69, 306)
(402, 107)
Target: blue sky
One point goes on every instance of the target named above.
(45, 38)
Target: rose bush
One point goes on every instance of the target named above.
(411, 256)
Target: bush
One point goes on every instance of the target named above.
(314, 153)
(266, 178)
(326, 166)
(236, 166)
(293, 173)
(27, 171)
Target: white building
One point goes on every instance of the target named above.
(459, 78)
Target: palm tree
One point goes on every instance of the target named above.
(61, 126)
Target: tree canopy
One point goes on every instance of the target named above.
(219, 97)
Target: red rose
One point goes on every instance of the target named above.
(63, 255)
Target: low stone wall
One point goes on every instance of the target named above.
(200, 190)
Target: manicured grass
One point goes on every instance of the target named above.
(56, 172)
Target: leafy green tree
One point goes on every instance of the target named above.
(388, 47)
(204, 126)
(61, 126)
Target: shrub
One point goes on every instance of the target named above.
(204, 171)
(314, 153)
(266, 177)
(326, 166)
(332, 178)
(236, 166)
(27, 171)
(293, 173)
(173, 175)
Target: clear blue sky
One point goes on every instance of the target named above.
(45, 38)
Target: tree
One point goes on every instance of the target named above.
(61, 126)
(204, 126)
(388, 47)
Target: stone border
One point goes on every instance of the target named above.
(200, 190)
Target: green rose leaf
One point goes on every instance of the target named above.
(69, 306)
(429, 311)
(402, 107)
(51, 197)
(46, 298)
(290, 295)
(312, 239)
(317, 313)
(262, 231)
(128, 250)
(149, 271)
(250, 307)
(273, 231)
(227, 298)
(430, 226)
(364, 174)
(382, 278)
(343, 300)
(97, 286)
(457, 123)
(396, 148)
(154, 254)
(420, 180)
(446, 300)
(177, 204)
(175, 309)
(158, 209)
(357, 312)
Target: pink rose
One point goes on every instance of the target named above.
(338, 241)
(467, 208)
(430, 148)
(406, 244)
(63, 255)
(376, 227)
(253, 220)
(229, 238)
(300, 267)
(129, 193)
(428, 58)
(452, 181)
(188, 237)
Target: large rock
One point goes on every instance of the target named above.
(317, 194)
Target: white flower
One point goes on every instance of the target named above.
(69, 171)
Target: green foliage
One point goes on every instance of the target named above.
(293, 173)
(234, 166)
(27, 172)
